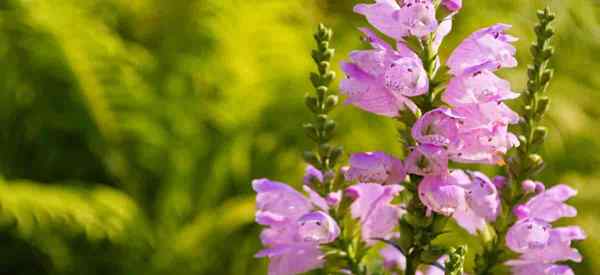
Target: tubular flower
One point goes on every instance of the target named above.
(539, 244)
(382, 79)
(399, 20)
(295, 228)
(375, 167)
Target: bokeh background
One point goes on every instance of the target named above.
(130, 130)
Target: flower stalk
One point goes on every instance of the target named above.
(525, 163)
(321, 103)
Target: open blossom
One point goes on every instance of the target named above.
(426, 159)
(372, 206)
(399, 19)
(442, 193)
(474, 134)
(469, 197)
(482, 203)
(489, 48)
(295, 228)
(539, 244)
(438, 127)
(479, 87)
(382, 79)
(375, 167)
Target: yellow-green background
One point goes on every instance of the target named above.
(130, 130)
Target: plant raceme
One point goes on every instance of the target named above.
(451, 114)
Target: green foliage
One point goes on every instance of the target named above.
(131, 129)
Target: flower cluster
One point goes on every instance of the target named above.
(297, 225)
(465, 120)
(538, 243)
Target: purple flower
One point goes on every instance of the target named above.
(489, 48)
(372, 206)
(452, 5)
(441, 32)
(295, 229)
(443, 193)
(540, 269)
(488, 115)
(480, 87)
(293, 259)
(318, 227)
(312, 175)
(426, 159)
(533, 237)
(483, 203)
(528, 186)
(375, 167)
(542, 245)
(469, 197)
(474, 133)
(399, 20)
(381, 80)
(483, 133)
(438, 127)
(484, 145)
(500, 182)
(278, 204)
(549, 206)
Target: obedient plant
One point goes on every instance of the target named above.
(451, 114)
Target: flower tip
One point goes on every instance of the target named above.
(521, 212)
(528, 186)
(500, 182)
(351, 193)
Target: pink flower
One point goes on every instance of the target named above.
(483, 203)
(426, 159)
(381, 80)
(469, 197)
(525, 268)
(475, 133)
(410, 17)
(295, 228)
(438, 127)
(480, 87)
(375, 167)
(549, 206)
(533, 237)
(443, 193)
(372, 206)
(489, 48)
(312, 175)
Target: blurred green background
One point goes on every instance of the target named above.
(130, 130)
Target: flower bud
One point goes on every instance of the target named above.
(311, 131)
(331, 102)
(312, 103)
(539, 135)
(334, 198)
(539, 187)
(500, 182)
(528, 186)
(521, 212)
(543, 105)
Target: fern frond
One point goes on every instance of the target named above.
(101, 213)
